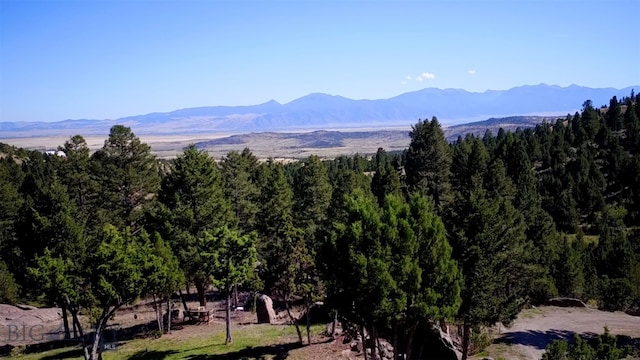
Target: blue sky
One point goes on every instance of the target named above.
(108, 59)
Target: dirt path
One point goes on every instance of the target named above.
(535, 328)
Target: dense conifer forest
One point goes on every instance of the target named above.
(467, 232)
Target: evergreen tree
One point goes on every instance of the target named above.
(233, 258)
(487, 236)
(239, 171)
(389, 269)
(275, 223)
(194, 199)
(386, 179)
(567, 271)
(11, 202)
(8, 286)
(164, 276)
(128, 176)
(428, 161)
(613, 117)
(312, 196)
(76, 173)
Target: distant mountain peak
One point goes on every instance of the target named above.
(317, 111)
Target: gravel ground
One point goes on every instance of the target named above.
(535, 328)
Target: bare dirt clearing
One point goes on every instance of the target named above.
(526, 339)
(535, 328)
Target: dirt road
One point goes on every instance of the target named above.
(536, 328)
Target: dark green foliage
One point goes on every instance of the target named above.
(312, 196)
(193, 203)
(389, 268)
(386, 180)
(232, 257)
(428, 162)
(275, 225)
(568, 270)
(604, 347)
(128, 176)
(11, 201)
(239, 172)
(8, 286)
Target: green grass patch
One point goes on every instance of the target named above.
(249, 342)
(588, 239)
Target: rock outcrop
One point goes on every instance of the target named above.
(264, 310)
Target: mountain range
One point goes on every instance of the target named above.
(322, 111)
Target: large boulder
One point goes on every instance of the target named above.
(264, 310)
(435, 344)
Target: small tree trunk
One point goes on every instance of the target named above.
(255, 303)
(96, 346)
(334, 324)
(308, 322)
(373, 342)
(364, 343)
(395, 340)
(228, 320)
(65, 322)
(409, 349)
(75, 328)
(184, 302)
(158, 310)
(76, 324)
(235, 296)
(169, 315)
(293, 320)
(201, 294)
(380, 351)
(466, 332)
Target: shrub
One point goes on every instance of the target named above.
(605, 347)
(8, 286)
(542, 290)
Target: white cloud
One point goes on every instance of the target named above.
(425, 75)
(471, 72)
(408, 77)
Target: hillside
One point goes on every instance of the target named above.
(322, 111)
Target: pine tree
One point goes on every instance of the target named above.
(194, 199)
(233, 258)
(275, 222)
(428, 161)
(386, 179)
(8, 286)
(312, 196)
(389, 268)
(76, 173)
(567, 270)
(11, 201)
(164, 276)
(128, 175)
(239, 171)
(487, 235)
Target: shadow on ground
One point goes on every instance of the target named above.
(276, 352)
(152, 355)
(72, 353)
(539, 339)
(113, 334)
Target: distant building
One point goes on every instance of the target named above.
(55, 152)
